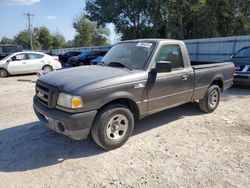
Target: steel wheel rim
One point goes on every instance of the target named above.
(214, 98)
(117, 127)
(3, 73)
(47, 69)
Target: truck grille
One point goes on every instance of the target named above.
(46, 94)
(242, 68)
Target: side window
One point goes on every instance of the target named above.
(171, 53)
(19, 57)
(35, 56)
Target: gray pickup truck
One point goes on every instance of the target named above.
(136, 78)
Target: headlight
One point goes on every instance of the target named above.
(69, 101)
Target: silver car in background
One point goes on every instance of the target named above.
(28, 62)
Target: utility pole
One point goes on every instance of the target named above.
(29, 16)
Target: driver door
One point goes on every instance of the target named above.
(171, 88)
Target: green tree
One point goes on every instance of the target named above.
(129, 17)
(179, 19)
(23, 38)
(6, 40)
(230, 17)
(44, 37)
(58, 41)
(88, 33)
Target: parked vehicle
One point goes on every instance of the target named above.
(27, 62)
(138, 78)
(85, 57)
(97, 60)
(7, 49)
(241, 60)
(64, 57)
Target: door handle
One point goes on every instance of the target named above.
(185, 76)
(24, 63)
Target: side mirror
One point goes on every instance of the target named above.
(163, 66)
(9, 60)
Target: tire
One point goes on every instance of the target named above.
(47, 68)
(211, 99)
(113, 126)
(3, 73)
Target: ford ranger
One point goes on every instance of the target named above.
(136, 78)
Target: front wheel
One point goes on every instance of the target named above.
(3, 73)
(211, 100)
(113, 126)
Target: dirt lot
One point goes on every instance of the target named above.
(180, 147)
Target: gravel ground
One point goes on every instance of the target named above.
(180, 147)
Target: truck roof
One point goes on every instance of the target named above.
(151, 40)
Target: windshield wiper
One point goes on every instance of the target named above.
(117, 64)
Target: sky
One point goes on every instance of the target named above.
(57, 15)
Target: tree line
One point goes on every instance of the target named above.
(87, 34)
(179, 19)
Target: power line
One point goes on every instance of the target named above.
(29, 16)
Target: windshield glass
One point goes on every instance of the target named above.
(130, 54)
(243, 53)
(85, 53)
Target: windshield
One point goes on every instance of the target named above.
(243, 53)
(131, 54)
(85, 53)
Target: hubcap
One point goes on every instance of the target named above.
(3, 73)
(117, 127)
(47, 69)
(214, 98)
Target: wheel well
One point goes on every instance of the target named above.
(219, 83)
(47, 66)
(128, 103)
(4, 69)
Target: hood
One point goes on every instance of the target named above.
(241, 61)
(68, 80)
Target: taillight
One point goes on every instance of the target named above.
(233, 72)
(56, 58)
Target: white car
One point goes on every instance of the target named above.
(27, 62)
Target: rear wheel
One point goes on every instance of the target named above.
(113, 126)
(3, 73)
(47, 68)
(211, 100)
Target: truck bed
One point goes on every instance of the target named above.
(204, 75)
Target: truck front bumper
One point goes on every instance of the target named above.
(242, 80)
(74, 125)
